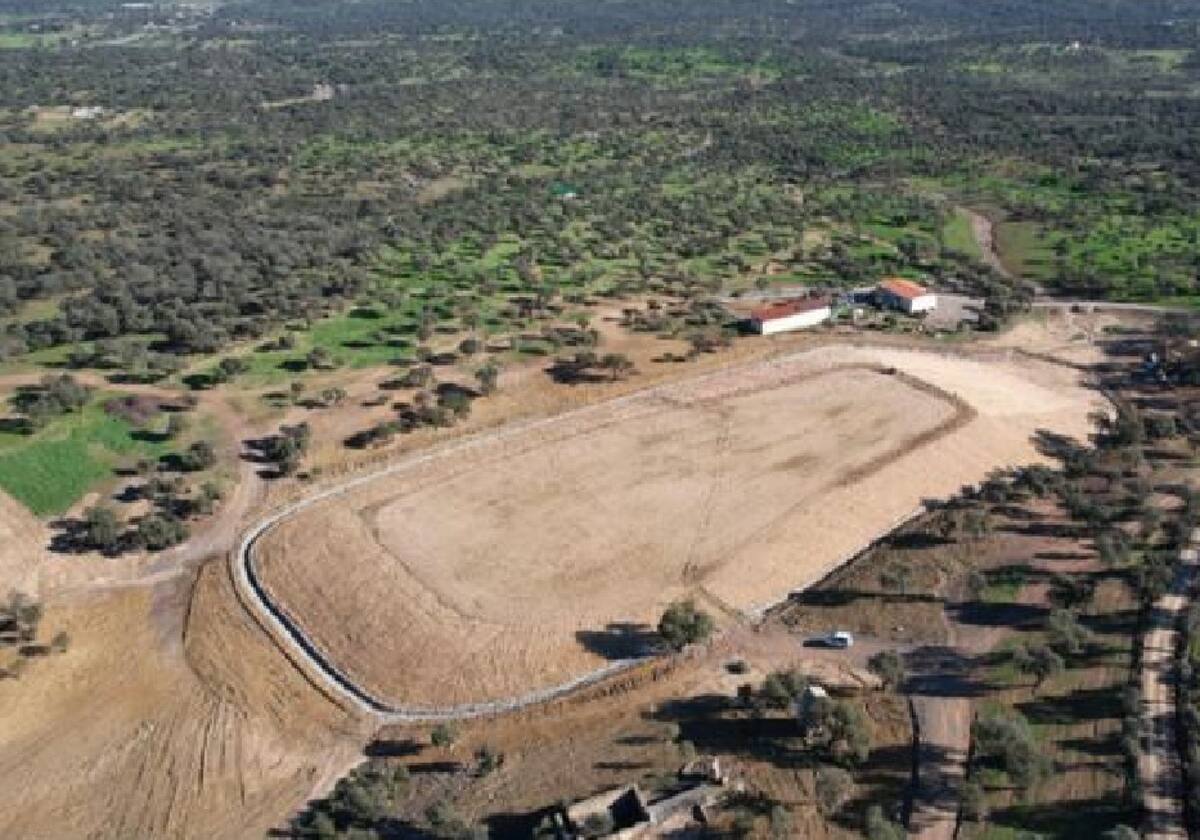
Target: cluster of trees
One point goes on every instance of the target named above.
(434, 410)
(132, 356)
(102, 530)
(835, 729)
(361, 805)
(193, 234)
(1006, 742)
(55, 396)
(1109, 493)
(430, 406)
(20, 619)
(580, 367)
(1189, 712)
(286, 450)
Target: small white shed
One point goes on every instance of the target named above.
(905, 295)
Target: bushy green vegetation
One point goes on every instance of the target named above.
(782, 132)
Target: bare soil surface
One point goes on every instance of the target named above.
(23, 541)
(983, 230)
(543, 555)
(169, 729)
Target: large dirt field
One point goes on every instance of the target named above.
(484, 572)
(164, 719)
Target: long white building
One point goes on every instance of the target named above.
(786, 315)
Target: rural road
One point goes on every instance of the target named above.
(1159, 768)
(1107, 305)
(985, 237)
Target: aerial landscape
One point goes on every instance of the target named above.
(632, 419)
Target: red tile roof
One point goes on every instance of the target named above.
(900, 287)
(788, 308)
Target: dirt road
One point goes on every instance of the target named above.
(985, 237)
(945, 738)
(1158, 765)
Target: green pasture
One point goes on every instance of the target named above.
(957, 235)
(55, 467)
(1025, 247)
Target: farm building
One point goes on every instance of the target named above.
(785, 315)
(905, 295)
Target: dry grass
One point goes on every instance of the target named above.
(217, 736)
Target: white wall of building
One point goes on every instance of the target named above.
(799, 321)
(924, 303)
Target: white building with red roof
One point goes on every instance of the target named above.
(784, 315)
(905, 295)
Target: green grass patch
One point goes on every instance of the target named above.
(1024, 247)
(957, 234)
(54, 468)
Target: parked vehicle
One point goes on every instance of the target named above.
(840, 639)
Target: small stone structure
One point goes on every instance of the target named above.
(629, 815)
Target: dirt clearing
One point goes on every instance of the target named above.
(484, 572)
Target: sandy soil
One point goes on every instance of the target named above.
(23, 541)
(506, 564)
(1072, 337)
(200, 730)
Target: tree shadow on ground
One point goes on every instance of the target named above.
(15, 426)
(715, 725)
(446, 389)
(987, 614)
(1062, 555)
(623, 766)
(845, 597)
(1106, 746)
(637, 740)
(1066, 818)
(1044, 528)
(620, 640)
(917, 541)
(432, 767)
(941, 671)
(1118, 622)
(385, 748)
(565, 372)
(515, 826)
(1079, 706)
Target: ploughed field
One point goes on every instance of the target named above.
(500, 566)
